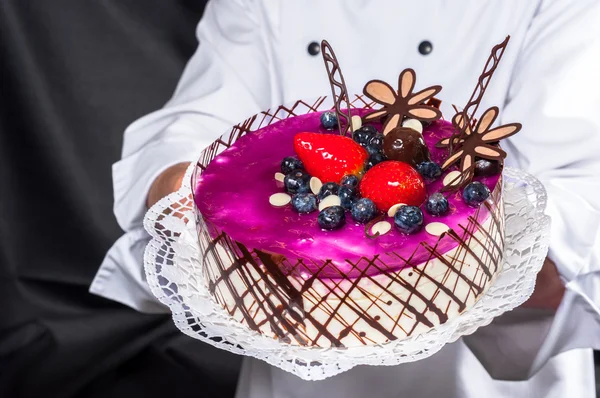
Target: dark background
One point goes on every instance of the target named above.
(73, 75)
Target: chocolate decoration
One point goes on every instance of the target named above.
(406, 145)
(338, 87)
(280, 300)
(370, 224)
(455, 141)
(434, 102)
(480, 143)
(401, 105)
(482, 83)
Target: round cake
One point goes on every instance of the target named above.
(308, 285)
(358, 223)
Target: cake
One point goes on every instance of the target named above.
(356, 226)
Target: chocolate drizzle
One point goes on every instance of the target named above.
(338, 86)
(279, 297)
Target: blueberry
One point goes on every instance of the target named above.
(363, 210)
(297, 181)
(304, 202)
(408, 219)
(348, 195)
(484, 167)
(290, 164)
(350, 179)
(376, 141)
(332, 217)
(374, 159)
(430, 170)
(330, 188)
(369, 129)
(372, 150)
(475, 193)
(364, 134)
(437, 204)
(329, 120)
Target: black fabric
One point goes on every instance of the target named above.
(73, 75)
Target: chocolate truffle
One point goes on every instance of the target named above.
(405, 145)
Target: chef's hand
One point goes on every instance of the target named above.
(549, 288)
(167, 182)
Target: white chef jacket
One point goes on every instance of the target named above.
(253, 56)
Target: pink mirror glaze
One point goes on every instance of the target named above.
(233, 194)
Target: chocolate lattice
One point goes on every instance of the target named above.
(278, 297)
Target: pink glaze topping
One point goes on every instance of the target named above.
(233, 194)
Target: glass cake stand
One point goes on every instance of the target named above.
(174, 274)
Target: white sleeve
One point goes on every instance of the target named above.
(227, 80)
(555, 92)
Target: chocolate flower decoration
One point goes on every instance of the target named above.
(478, 143)
(458, 121)
(404, 104)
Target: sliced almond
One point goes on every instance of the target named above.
(451, 177)
(315, 185)
(331, 200)
(436, 228)
(392, 211)
(280, 199)
(381, 227)
(356, 122)
(413, 124)
(279, 177)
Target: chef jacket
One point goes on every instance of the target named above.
(258, 54)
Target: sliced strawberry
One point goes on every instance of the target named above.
(392, 182)
(328, 156)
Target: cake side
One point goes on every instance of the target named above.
(363, 310)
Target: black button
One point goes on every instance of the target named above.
(425, 48)
(314, 48)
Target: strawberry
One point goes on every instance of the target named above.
(328, 156)
(392, 182)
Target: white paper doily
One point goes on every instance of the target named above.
(174, 273)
